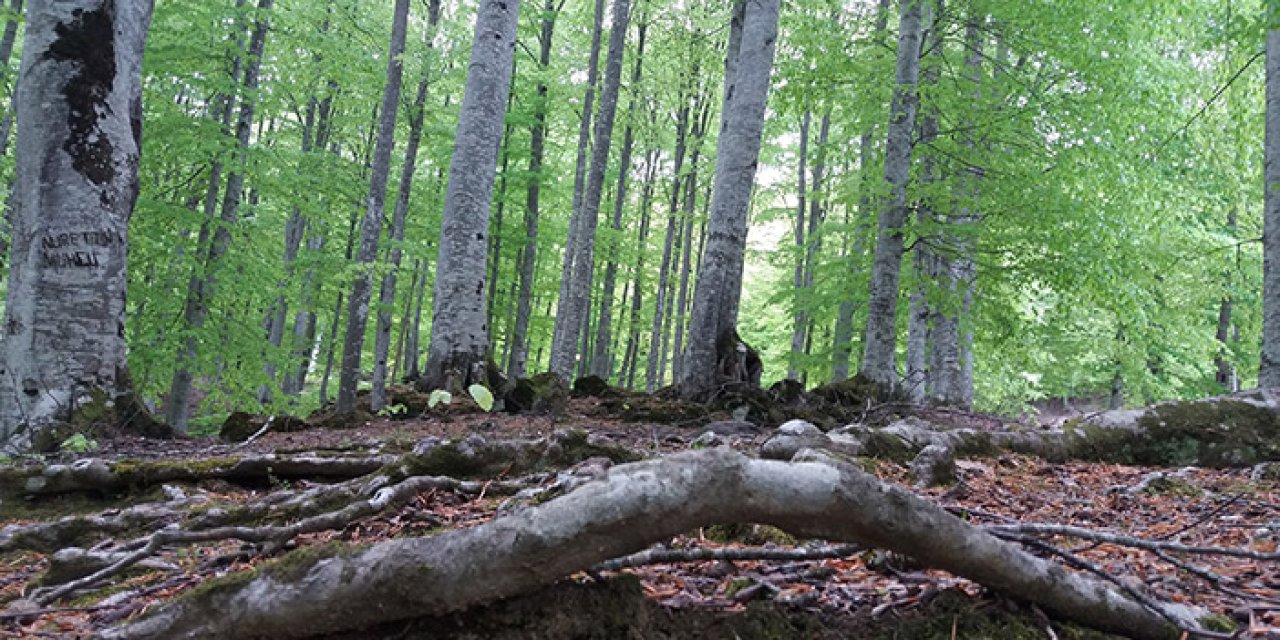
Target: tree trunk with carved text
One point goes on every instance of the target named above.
(79, 109)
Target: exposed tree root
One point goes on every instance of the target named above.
(1237, 430)
(101, 476)
(635, 505)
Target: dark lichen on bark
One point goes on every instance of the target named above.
(88, 41)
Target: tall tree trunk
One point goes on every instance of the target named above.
(459, 336)
(332, 348)
(687, 257)
(79, 111)
(411, 349)
(930, 267)
(304, 321)
(798, 316)
(519, 341)
(560, 353)
(495, 231)
(854, 247)
(371, 226)
(880, 342)
(221, 112)
(951, 381)
(387, 289)
(177, 405)
(6, 52)
(653, 375)
(1225, 370)
(572, 314)
(817, 216)
(1269, 370)
(602, 360)
(631, 354)
(9, 38)
(295, 229)
(719, 285)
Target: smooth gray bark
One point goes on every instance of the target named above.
(719, 284)
(817, 216)
(929, 265)
(203, 284)
(602, 360)
(632, 352)
(295, 229)
(10, 37)
(459, 335)
(411, 348)
(687, 256)
(855, 247)
(79, 108)
(395, 235)
(654, 373)
(631, 507)
(561, 362)
(951, 381)
(1225, 370)
(572, 312)
(518, 363)
(798, 317)
(371, 225)
(879, 361)
(304, 321)
(1269, 370)
(6, 52)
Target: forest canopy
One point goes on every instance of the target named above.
(1083, 205)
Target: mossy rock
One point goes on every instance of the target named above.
(887, 446)
(577, 445)
(413, 401)
(787, 391)
(451, 459)
(340, 419)
(591, 387)
(852, 392)
(544, 393)
(652, 408)
(240, 426)
(49, 438)
(1211, 433)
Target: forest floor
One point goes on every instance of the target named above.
(869, 595)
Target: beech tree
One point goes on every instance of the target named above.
(712, 326)
(459, 335)
(79, 120)
(215, 234)
(371, 224)
(1269, 371)
(879, 360)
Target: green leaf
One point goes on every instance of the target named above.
(482, 395)
(438, 396)
(79, 444)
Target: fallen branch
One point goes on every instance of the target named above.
(1127, 541)
(274, 536)
(101, 476)
(635, 505)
